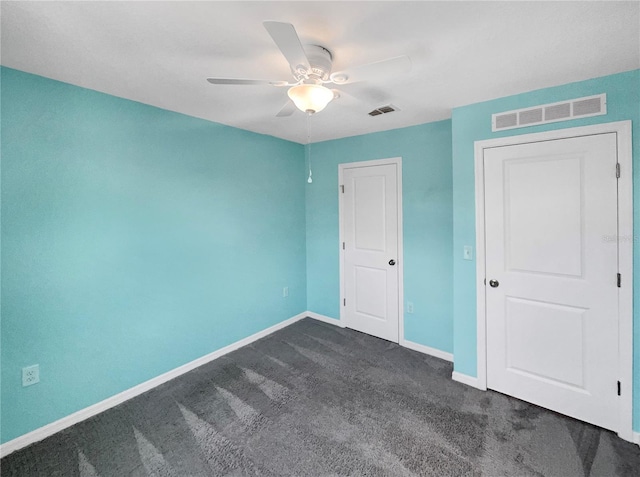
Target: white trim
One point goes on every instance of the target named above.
(468, 380)
(79, 416)
(481, 330)
(400, 260)
(625, 268)
(324, 319)
(427, 350)
(400, 255)
(625, 230)
(343, 321)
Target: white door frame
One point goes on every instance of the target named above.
(399, 260)
(625, 250)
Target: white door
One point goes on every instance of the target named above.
(551, 272)
(370, 235)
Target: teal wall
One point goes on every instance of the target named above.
(134, 240)
(473, 123)
(427, 224)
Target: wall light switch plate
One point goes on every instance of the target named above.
(285, 292)
(409, 307)
(468, 252)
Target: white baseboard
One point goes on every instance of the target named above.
(79, 416)
(468, 380)
(427, 350)
(325, 319)
(636, 438)
(405, 343)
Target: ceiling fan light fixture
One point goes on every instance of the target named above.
(310, 98)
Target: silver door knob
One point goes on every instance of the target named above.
(392, 262)
(494, 283)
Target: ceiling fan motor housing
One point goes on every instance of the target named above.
(320, 60)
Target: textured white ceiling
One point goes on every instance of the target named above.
(160, 53)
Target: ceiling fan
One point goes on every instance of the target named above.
(311, 70)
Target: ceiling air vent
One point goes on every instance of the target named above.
(383, 110)
(550, 113)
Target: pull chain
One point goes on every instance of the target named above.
(309, 180)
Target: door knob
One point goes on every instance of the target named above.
(494, 283)
(392, 262)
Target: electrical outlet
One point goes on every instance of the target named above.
(285, 292)
(409, 307)
(31, 375)
(468, 252)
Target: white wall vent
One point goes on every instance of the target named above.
(550, 113)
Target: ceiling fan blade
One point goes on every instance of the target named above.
(372, 71)
(240, 81)
(287, 110)
(286, 38)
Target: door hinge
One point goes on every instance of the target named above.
(485, 282)
(619, 389)
(342, 245)
(619, 280)
(344, 302)
(342, 188)
(618, 170)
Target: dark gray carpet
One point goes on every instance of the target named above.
(314, 399)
